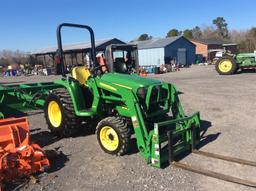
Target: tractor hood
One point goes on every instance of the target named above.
(132, 81)
(241, 55)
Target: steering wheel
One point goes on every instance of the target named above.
(93, 70)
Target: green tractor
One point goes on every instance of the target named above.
(231, 63)
(121, 102)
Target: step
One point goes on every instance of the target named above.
(86, 112)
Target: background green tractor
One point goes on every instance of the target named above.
(231, 63)
(118, 101)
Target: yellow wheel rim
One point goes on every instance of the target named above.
(109, 138)
(225, 66)
(54, 114)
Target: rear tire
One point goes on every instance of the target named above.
(226, 66)
(60, 114)
(113, 135)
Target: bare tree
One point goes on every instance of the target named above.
(208, 32)
(8, 57)
(246, 39)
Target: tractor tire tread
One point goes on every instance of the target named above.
(71, 122)
(124, 132)
(234, 65)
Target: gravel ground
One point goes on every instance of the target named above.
(227, 105)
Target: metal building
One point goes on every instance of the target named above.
(72, 52)
(155, 52)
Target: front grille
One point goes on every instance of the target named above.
(158, 99)
(154, 99)
(154, 94)
(164, 93)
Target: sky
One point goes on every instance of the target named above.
(29, 25)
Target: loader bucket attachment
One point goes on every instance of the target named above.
(17, 157)
(173, 137)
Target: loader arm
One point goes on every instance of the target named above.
(150, 136)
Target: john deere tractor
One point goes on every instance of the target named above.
(231, 63)
(121, 102)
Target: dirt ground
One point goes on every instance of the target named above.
(227, 105)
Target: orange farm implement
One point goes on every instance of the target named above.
(18, 158)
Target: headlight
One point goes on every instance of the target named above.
(142, 92)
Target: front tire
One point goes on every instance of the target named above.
(113, 135)
(226, 66)
(60, 115)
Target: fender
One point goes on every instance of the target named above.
(75, 91)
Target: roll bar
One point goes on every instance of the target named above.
(60, 49)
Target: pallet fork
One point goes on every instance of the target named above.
(206, 172)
